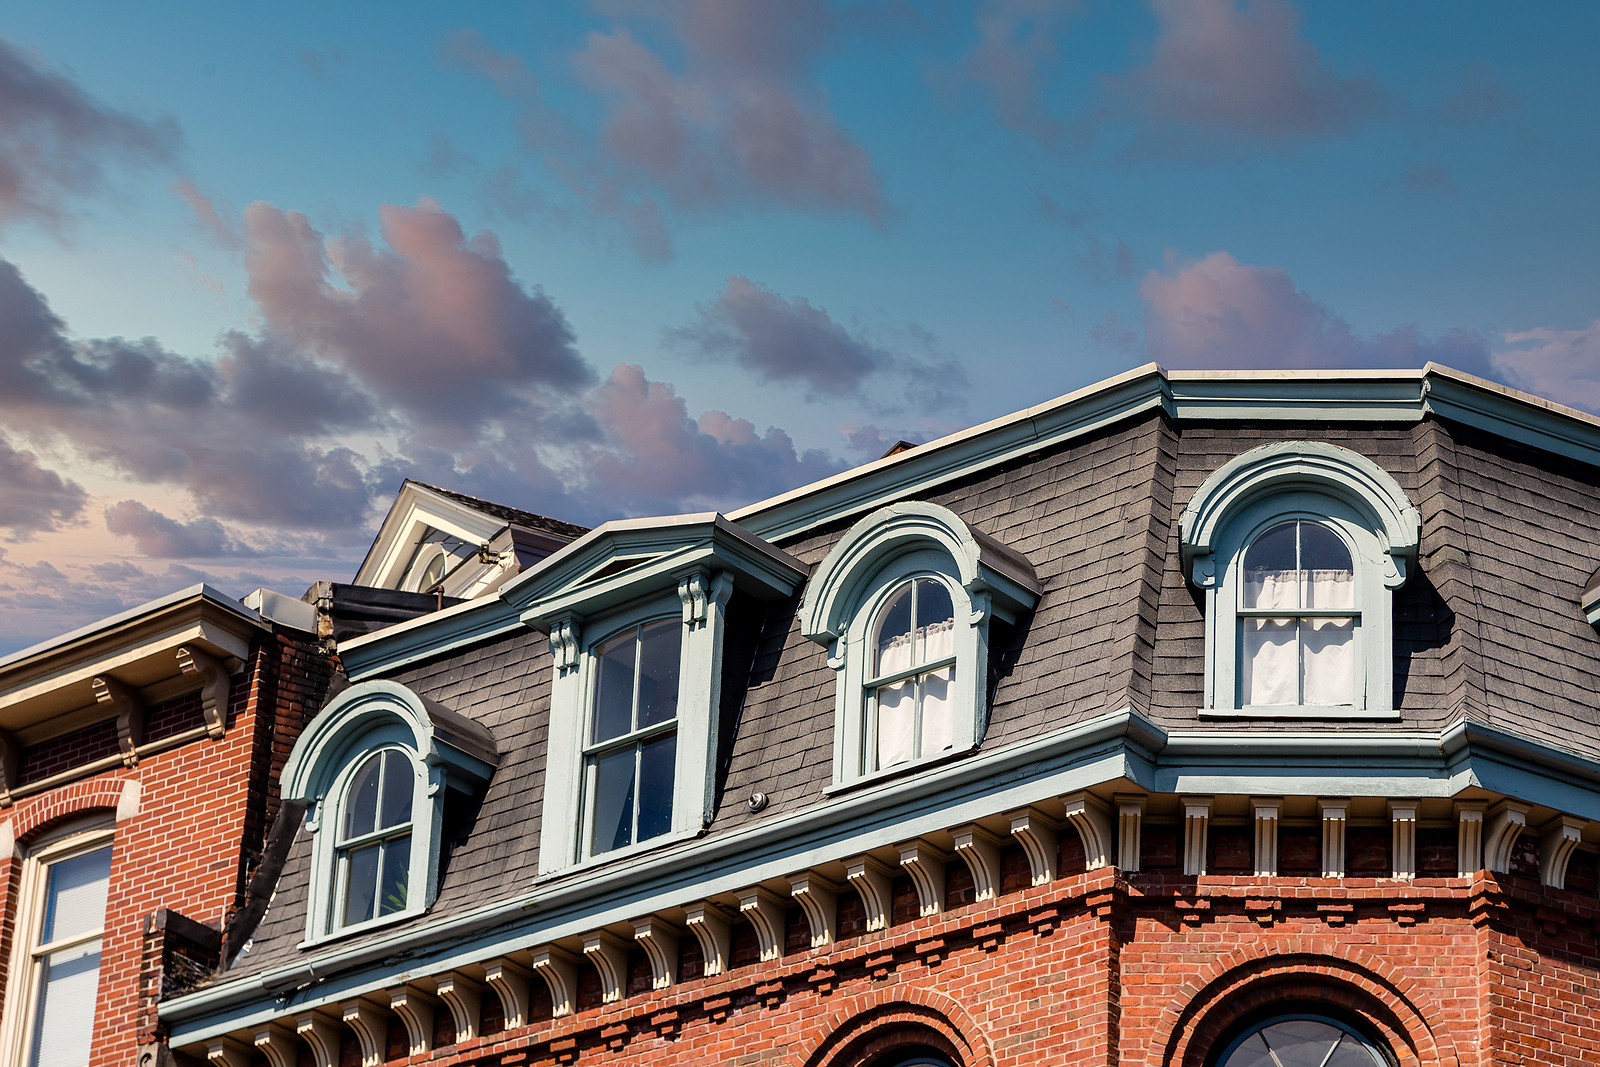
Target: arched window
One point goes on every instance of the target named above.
(1299, 547)
(904, 604)
(374, 845)
(1296, 1040)
(910, 710)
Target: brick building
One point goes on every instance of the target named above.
(1204, 720)
(139, 760)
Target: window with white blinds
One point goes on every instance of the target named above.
(67, 958)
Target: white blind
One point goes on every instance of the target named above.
(69, 978)
(76, 901)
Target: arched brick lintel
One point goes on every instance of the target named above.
(859, 1019)
(1310, 969)
(34, 813)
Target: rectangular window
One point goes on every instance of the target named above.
(632, 751)
(67, 923)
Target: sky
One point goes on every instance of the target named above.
(260, 263)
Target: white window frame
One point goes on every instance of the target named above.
(446, 751)
(23, 987)
(986, 580)
(1336, 488)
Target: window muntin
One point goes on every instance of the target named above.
(374, 842)
(910, 706)
(1297, 618)
(1301, 1041)
(631, 757)
(66, 958)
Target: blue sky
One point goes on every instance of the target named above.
(626, 258)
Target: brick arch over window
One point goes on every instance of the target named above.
(879, 1020)
(1346, 980)
(30, 816)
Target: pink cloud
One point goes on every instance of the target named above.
(1554, 363)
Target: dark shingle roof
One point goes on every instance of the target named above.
(566, 531)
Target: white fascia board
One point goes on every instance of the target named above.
(1509, 413)
(575, 559)
(428, 636)
(1308, 396)
(111, 622)
(1120, 746)
(418, 506)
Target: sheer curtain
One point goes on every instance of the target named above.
(897, 703)
(1298, 660)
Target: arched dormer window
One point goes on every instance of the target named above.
(372, 771)
(1299, 547)
(903, 604)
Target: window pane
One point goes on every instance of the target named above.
(1269, 668)
(362, 884)
(361, 803)
(613, 801)
(896, 723)
(76, 897)
(1327, 660)
(657, 763)
(935, 620)
(938, 711)
(659, 644)
(1327, 577)
(1353, 1053)
(399, 781)
(69, 982)
(396, 875)
(613, 687)
(1253, 1053)
(892, 643)
(1270, 568)
(1301, 1042)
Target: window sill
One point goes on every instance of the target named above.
(1305, 711)
(627, 852)
(360, 928)
(898, 770)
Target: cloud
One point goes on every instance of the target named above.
(1218, 313)
(1224, 73)
(1554, 363)
(1480, 96)
(1016, 47)
(781, 340)
(160, 537)
(435, 324)
(708, 104)
(56, 141)
(206, 216)
(33, 498)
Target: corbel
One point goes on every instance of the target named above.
(819, 899)
(873, 882)
(415, 1009)
(371, 1027)
(610, 958)
(213, 687)
(980, 850)
(1335, 811)
(1267, 810)
(1504, 823)
(129, 706)
(659, 939)
(321, 1035)
(765, 912)
(712, 929)
(1130, 830)
(692, 591)
(226, 1052)
(10, 757)
(1403, 838)
(278, 1045)
(1196, 834)
(1090, 816)
(559, 970)
(1469, 836)
(464, 998)
(509, 980)
(1557, 840)
(925, 864)
(565, 634)
(1036, 833)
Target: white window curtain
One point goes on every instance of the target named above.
(897, 703)
(1298, 660)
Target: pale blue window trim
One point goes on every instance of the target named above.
(441, 750)
(849, 590)
(1332, 488)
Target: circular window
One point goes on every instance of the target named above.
(1301, 1041)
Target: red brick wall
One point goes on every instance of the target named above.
(1150, 971)
(202, 809)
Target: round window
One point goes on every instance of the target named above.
(1301, 1041)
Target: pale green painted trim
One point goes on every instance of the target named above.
(428, 638)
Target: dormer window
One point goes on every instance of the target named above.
(1299, 547)
(375, 838)
(633, 737)
(429, 571)
(910, 705)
